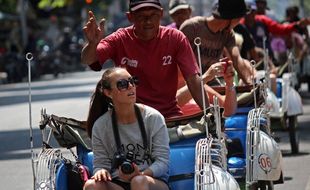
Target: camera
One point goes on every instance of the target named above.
(124, 161)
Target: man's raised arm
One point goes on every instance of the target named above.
(93, 34)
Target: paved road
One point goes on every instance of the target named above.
(65, 96)
(297, 167)
(69, 96)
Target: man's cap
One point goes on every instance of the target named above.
(175, 5)
(138, 4)
(230, 9)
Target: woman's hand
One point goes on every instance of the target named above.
(128, 177)
(223, 68)
(92, 32)
(214, 70)
(102, 175)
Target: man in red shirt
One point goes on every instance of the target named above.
(261, 26)
(149, 51)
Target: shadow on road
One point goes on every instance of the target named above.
(287, 153)
(5, 101)
(46, 87)
(51, 90)
(16, 144)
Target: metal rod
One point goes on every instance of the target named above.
(253, 80)
(29, 58)
(197, 42)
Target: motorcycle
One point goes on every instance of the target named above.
(285, 104)
(256, 159)
(290, 105)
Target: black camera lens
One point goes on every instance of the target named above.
(127, 167)
(124, 161)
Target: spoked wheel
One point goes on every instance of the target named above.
(294, 138)
(262, 185)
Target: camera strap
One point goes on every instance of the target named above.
(141, 126)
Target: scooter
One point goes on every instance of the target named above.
(199, 162)
(286, 105)
(259, 159)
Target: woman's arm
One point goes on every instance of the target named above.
(99, 146)
(229, 101)
(160, 147)
(183, 94)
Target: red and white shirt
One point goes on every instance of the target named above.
(154, 62)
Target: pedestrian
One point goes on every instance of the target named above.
(263, 9)
(217, 36)
(149, 51)
(130, 142)
(262, 27)
(179, 11)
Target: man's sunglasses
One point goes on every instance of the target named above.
(123, 84)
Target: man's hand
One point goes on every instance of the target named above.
(92, 31)
(304, 22)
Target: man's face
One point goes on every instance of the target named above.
(261, 7)
(146, 22)
(180, 16)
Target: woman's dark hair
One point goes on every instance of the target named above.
(99, 103)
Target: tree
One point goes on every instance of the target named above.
(8, 6)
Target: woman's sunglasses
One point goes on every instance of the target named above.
(123, 84)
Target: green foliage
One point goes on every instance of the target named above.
(8, 6)
(50, 4)
(53, 4)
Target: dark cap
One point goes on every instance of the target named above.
(175, 5)
(230, 9)
(138, 4)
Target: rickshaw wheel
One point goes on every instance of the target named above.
(292, 129)
(265, 185)
(262, 185)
